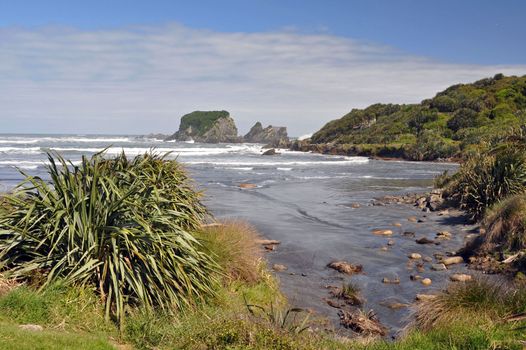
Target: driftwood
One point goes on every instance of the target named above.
(362, 323)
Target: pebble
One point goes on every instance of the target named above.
(279, 267)
(438, 267)
(414, 256)
(422, 297)
(31, 327)
(397, 224)
(460, 277)
(453, 260)
(427, 259)
(388, 281)
(390, 242)
(396, 306)
(424, 240)
(426, 281)
(247, 186)
(438, 255)
(443, 235)
(383, 232)
(412, 219)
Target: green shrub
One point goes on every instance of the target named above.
(119, 226)
(487, 178)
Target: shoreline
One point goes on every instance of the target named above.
(416, 225)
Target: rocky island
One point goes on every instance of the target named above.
(207, 127)
(220, 127)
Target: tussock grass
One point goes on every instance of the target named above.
(477, 302)
(233, 246)
(506, 225)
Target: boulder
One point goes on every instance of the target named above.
(270, 152)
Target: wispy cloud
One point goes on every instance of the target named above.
(141, 79)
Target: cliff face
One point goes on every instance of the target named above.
(274, 136)
(207, 127)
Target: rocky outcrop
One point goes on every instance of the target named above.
(208, 127)
(274, 136)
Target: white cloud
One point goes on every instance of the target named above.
(142, 79)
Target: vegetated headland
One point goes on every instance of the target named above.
(456, 123)
(121, 253)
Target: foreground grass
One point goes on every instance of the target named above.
(13, 338)
(473, 315)
(468, 316)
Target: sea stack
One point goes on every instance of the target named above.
(207, 127)
(273, 136)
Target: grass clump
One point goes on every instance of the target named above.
(233, 245)
(475, 303)
(120, 226)
(505, 225)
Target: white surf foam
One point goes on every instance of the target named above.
(18, 141)
(20, 150)
(181, 151)
(349, 160)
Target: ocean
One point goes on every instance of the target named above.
(307, 201)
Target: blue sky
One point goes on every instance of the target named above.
(136, 66)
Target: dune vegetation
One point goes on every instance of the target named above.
(118, 253)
